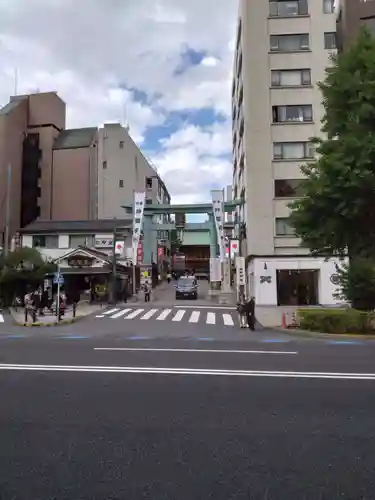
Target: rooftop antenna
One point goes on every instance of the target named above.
(15, 81)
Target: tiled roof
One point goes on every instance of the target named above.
(75, 138)
(76, 226)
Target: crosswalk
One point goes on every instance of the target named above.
(174, 315)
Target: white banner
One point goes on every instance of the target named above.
(138, 209)
(240, 271)
(215, 269)
(234, 248)
(217, 196)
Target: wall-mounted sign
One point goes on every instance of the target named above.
(103, 242)
(265, 279)
(138, 209)
(217, 196)
(215, 269)
(80, 261)
(234, 248)
(119, 249)
(240, 271)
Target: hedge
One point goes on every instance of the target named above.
(337, 321)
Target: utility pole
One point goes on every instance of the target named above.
(7, 211)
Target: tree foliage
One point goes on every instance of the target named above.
(337, 214)
(357, 283)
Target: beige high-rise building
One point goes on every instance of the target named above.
(282, 51)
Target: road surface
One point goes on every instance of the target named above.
(114, 409)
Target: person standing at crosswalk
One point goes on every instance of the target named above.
(147, 292)
(241, 309)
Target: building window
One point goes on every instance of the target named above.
(330, 40)
(288, 114)
(289, 43)
(328, 6)
(148, 201)
(121, 144)
(290, 78)
(293, 150)
(288, 8)
(149, 182)
(288, 188)
(76, 240)
(283, 227)
(121, 183)
(104, 165)
(46, 241)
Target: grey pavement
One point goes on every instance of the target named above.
(84, 309)
(165, 418)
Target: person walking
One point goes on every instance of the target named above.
(250, 313)
(241, 309)
(169, 277)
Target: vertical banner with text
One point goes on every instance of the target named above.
(217, 196)
(138, 209)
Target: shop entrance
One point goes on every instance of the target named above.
(297, 287)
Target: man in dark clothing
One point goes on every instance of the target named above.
(250, 313)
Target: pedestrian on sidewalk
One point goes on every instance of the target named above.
(241, 309)
(169, 277)
(250, 313)
(147, 292)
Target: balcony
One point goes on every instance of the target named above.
(291, 8)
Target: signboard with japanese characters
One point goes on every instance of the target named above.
(240, 271)
(217, 196)
(234, 248)
(138, 209)
(215, 269)
(80, 261)
(103, 241)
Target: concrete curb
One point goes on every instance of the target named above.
(47, 325)
(295, 332)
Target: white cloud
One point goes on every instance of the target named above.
(90, 50)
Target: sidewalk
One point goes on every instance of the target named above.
(51, 320)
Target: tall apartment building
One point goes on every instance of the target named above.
(351, 15)
(282, 50)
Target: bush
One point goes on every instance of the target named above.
(336, 320)
(357, 283)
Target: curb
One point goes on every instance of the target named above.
(47, 325)
(320, 335)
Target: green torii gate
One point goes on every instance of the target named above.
(149, 227)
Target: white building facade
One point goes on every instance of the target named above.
(282, 51)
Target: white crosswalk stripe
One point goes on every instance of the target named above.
(176, 315)
(149, 314)
(228, 320)
(134, 314)
(194, 317)
(179, 315)
(2, 320)
(211, 318)
(164, 314)
(120, 313)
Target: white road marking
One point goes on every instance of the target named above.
(134, 314)
(179, 315)
(164, 314)
(121, 313)
(194, 317)
(228, 321)
(149, 313)
(224, 308)
(211, 319)
(2, 320)
(111, 311)
(99, 316)
(221, 351)
(189, 371)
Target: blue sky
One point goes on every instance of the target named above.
(168, 63)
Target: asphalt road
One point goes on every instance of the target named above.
(102, 416)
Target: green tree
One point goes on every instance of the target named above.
(357, 283)
(20, 269)
(337, 214)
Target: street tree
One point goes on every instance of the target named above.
(336, 216)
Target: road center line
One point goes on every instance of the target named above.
(188, 371)
(221, 351)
